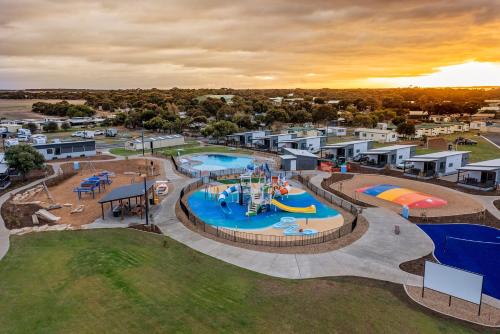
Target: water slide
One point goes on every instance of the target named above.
(307, 209)
(223, 196)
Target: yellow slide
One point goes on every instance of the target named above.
(307, 209)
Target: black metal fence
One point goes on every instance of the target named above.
(271, 240)
(328, 196)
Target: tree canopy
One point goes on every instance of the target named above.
(24, 158)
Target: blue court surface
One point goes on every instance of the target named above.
(474, 248)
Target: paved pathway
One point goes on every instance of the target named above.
(377, 254)
(4, 232)
(487, 201)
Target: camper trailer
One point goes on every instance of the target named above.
(111, 132)
(39, 139)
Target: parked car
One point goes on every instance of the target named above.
(359, 158)
(77, 134)
(98, 133)
(401, 165)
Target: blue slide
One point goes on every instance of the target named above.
(222, 199)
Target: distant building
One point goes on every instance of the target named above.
(418, 114)
(246, 138)
(345, 150)
(272, 142)
(154, 142)
(335, 131)
(483, 175)
(294, 159)
(69, 149)
(311, 144)
(438, 129)
(436, 164)
(477, 125)
(304, 131)
(379, 135)
(388, 155)
(439, 118)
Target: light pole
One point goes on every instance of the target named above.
(142, 138)
(146, 200)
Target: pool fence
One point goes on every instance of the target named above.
(270, 240)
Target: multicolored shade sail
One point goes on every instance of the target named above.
(403, 196)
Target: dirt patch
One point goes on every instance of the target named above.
(490, 316)
(17, 216)
(62, 192)
(437, 144)
(458, 203)
(496, 203)
(416, 267)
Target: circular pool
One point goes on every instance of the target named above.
(212, 162)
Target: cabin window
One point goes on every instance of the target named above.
(49, 151)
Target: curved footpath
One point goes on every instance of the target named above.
(377, 254)
(4, 231)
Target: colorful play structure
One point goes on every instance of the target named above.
(403, 196)
(257, 196)
(90, 184)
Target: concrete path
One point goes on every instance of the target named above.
(487, 201)
(4, 232)
(377, 254)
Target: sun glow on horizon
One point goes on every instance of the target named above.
(468, 74)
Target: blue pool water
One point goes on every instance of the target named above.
(210, 212)
(474, 248)
(219, 161)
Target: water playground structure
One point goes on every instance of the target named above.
(260, 196)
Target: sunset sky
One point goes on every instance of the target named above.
(248, 44)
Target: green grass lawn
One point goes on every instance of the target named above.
(124, 152)
(482, 151)
(125, 281)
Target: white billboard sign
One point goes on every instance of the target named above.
(454, 282)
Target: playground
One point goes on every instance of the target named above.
(76, 198)
(421, 198)
(263, 202)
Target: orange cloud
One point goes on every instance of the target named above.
(220, 43)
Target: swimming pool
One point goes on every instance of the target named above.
(211, 162)
(474, 248)
(210, 212)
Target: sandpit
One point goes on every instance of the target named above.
(458, 203)
(63, 194)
